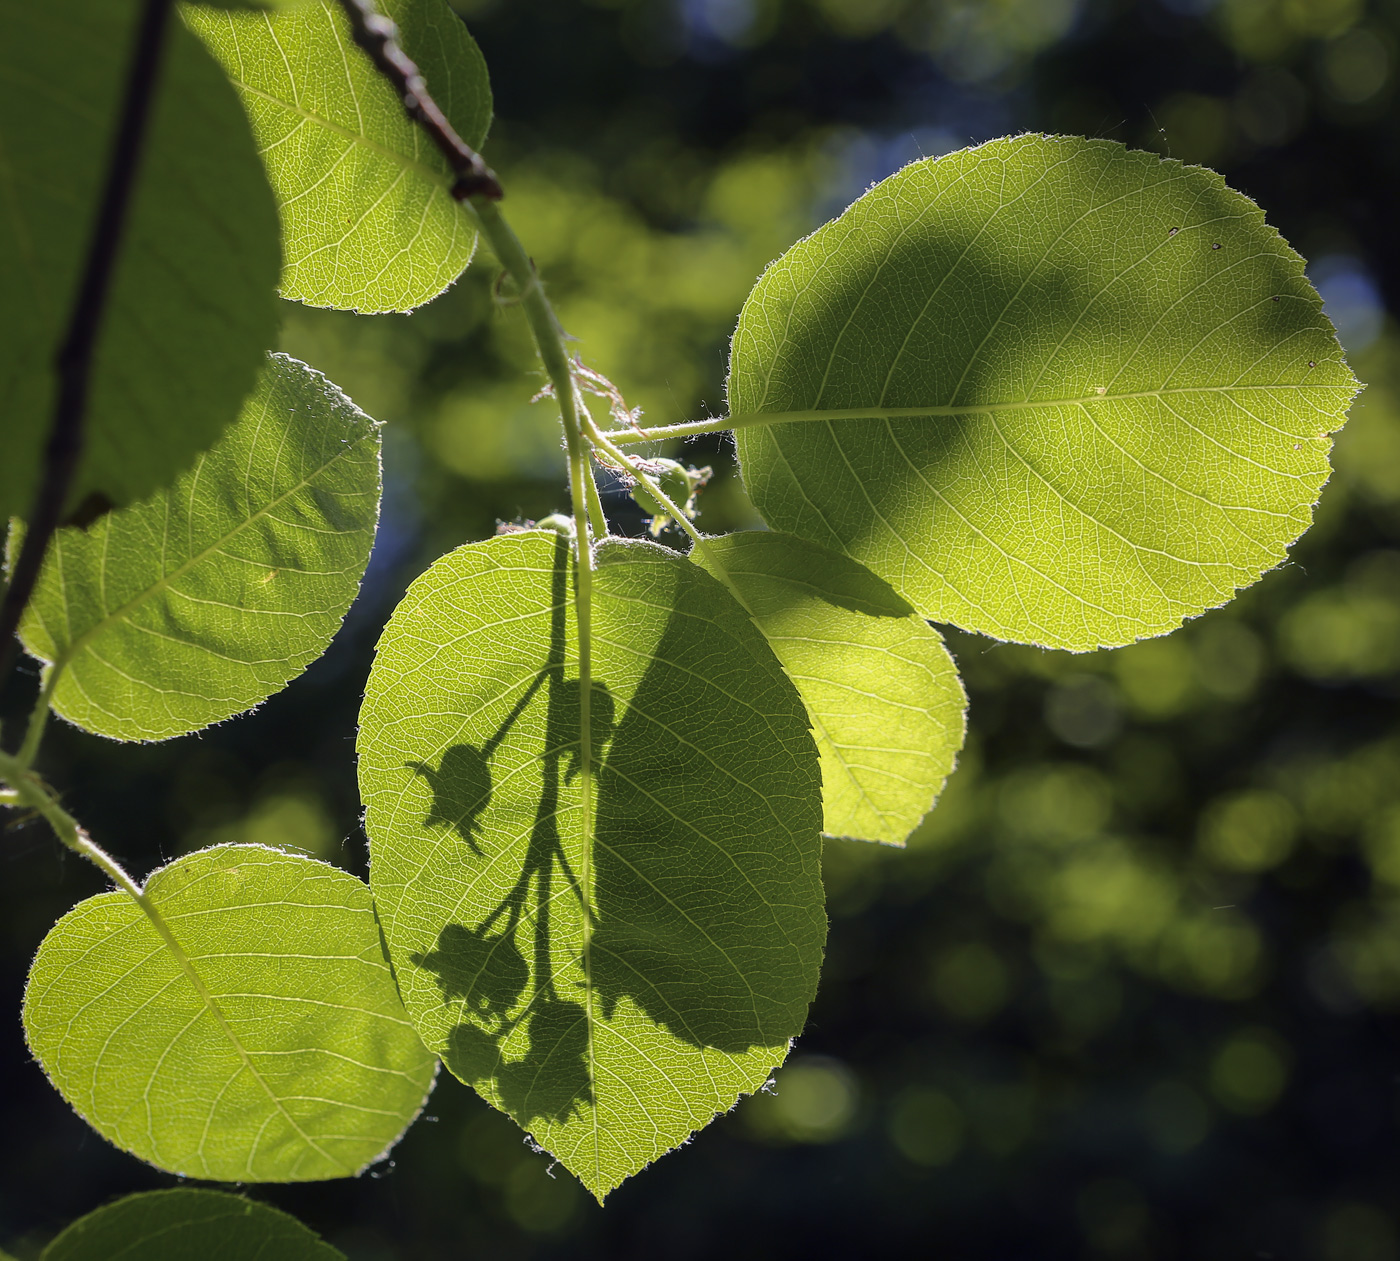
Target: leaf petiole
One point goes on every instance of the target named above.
(32, 792)
(27, 789)
(38, 718)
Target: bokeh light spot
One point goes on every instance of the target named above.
(926, 1126)
(1248, 831)
(814, 1099)
(1250, 1071)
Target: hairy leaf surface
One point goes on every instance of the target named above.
(367, 220)
(887, 707)
(192, 306)
(188, 1225)
(273, 1048)
(206, 598)
(612, 984)
(1050, 389)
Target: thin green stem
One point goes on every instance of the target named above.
(39, 717)
(29, 790)
(595, 503)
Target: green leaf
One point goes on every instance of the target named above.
(188, 1225)
(367, 220)
(615, 986)
(272, 1048)
(250, 4)
(192, 306)
(203, 600)
(887, 707)
(1050, 389)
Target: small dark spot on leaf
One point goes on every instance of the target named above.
(1216, 246)
(1275, 297)
(1173, 231)
(1311, 364)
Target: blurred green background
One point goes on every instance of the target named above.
(1132, 991)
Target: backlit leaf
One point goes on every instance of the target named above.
(275, 1050)
(367, 222)
(203, 600)
(886, 704)
(188, 1225)
(611, 986)
(1050, 389)
(192, 308)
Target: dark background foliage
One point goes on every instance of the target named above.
(1131, 992)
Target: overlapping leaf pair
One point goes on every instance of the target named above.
(1047, 389)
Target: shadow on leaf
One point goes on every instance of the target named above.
(483, 968)
(705, 916)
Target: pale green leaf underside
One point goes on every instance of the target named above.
(367, 221)
(188, 1225)
(192, 306)
(887, 707)
(203, 600)
(1085, 422)
(612, 993)
(296, 1063)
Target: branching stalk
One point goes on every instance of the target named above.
(673, 510)
(478, 190)
(73, 365)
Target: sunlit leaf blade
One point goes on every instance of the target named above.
(192, 306)
(367, 221)
(206, 598)
(887, 707)
(612, 992)
(250, 4)
(278, 1051)
(188, 1225)
(1094, 390)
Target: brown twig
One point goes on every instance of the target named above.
(378, 36)
(73, 364)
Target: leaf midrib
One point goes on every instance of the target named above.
(749, 420)
(122, 612)
(157, 921)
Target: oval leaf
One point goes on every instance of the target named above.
(188, 1225)
(1050, 389)
(611, 986)
(192, 306)
(367, 220)
(887, 707)
(273, 1049)
(203, 600)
